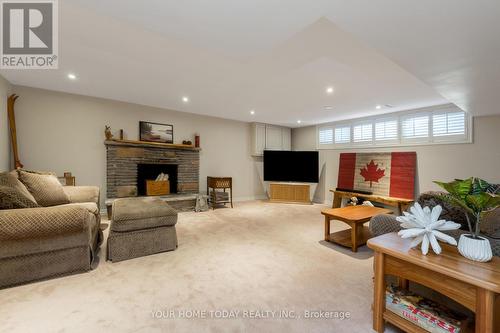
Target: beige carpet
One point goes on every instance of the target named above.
(254, 258)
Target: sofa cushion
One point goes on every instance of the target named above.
(141, 213)
(82, 193)
(10, 179)
(10, 198)
(45, 188)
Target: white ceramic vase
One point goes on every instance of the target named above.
(477, 249)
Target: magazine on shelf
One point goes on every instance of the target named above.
(430, 316)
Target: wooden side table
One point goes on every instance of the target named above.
(355, 217)
(472, 284)
(219, 197)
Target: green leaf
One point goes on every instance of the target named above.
(456, 202)
(482, 202)
(493, 202)
(476, 201)
(457, 188)
(479, 185)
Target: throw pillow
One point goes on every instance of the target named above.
(11, 179)
(45, 188)
(10, 198)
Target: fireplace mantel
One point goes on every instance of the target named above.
(133, 143)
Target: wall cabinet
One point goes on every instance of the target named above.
(270, 137)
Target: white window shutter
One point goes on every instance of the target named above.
(386, 130)
(363, 133)
(325, 136)
(415, 127)
(343, 134)
(450, 123)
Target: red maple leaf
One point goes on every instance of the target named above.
(371, 173)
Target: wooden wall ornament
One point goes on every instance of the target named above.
(383, 174)
(12, 125)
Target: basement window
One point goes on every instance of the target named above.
(433, 125)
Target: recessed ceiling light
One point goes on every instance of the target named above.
(185, 99)
(328, 107)
(71, 76)
(252, 112)
(378, 107)
(329, 90)
(299, 121)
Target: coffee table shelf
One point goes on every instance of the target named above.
(344, 237)
(355, 217)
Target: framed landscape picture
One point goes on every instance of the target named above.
(155, 132)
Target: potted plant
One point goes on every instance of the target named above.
(477, 198)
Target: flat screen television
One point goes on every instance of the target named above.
(291, 166)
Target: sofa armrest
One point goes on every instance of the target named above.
(77, 194)
(46, 222)
(383, 224)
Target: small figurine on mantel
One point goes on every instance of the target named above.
(107, 132)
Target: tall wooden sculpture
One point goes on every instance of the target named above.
(12, 124)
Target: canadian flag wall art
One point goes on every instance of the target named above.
(385, 174)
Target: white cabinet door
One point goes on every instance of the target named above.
(286, 134)
(259, 140)
(274, 139)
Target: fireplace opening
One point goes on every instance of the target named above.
(152, 171)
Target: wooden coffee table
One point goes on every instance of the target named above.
(355, 217)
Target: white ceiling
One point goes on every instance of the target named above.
(277, 57)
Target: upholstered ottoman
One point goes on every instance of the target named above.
(140, 227)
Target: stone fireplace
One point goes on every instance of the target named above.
(130, 163)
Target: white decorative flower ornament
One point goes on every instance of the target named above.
(424, 225)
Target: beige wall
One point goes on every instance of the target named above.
(4, 126)
(65, 132)
(437, 162)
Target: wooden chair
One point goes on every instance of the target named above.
(216, 191)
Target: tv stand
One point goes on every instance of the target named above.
(290, 193)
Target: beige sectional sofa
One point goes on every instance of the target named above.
(39, 242)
